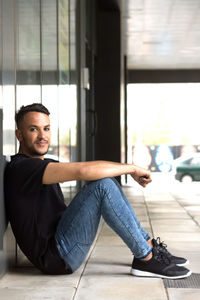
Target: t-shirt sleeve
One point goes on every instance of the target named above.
(28, 174)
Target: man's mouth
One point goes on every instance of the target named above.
(42, 143)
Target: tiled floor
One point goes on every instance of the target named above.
(166, 209)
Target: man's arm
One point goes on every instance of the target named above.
(93, 170)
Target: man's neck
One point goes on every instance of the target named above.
(21, 151)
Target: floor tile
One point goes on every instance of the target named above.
(30, 277)
(120, 288)
(172, 215)
(184, 236)
(176, 228)
(50, 293)
(184, 294)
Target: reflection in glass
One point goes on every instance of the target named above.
(1, 61)
(63, 40)
(73, 80)
(27, 94)
(49, 99)
(67, 122)
(49, 42)
(50, 69)
(28, 38)
(28, 53)
(1, 96)
(72, 40)
(8, 120)
(35, 67)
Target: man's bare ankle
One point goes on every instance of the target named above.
(150, 243)
(148, 257)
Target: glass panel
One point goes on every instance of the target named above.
(1, 95)
(49, 69)
(8, 120)
(72, 34)
(27, 94)
(49, 42)
(67, 122)
(7, 93)
(67, 92)
(28, 52)
(63, 48)
(49, 99)
(2, 214)
(73, 83)
(8, 78)
(29, 38)
(63, 40)
(1, 53)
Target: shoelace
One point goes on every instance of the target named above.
(162, 258)
(162, 246)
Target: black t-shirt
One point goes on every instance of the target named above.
(34, 210)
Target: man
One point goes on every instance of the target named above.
(56, 238)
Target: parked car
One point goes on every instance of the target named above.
(187, 169)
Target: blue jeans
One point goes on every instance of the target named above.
(78, 226)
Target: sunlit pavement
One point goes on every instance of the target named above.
(166, 208)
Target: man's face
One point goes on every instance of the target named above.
(34, 134)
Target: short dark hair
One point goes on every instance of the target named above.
(35, 107)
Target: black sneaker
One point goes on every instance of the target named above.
(158, 266)
(160, 246)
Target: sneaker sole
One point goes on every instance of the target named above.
(183, 264)
(149, 274)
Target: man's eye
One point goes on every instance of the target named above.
(47, 129)
(33, 129)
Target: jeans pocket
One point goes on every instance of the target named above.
(77, 255)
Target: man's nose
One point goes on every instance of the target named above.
(41, 134)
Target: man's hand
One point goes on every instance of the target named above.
(142, 176)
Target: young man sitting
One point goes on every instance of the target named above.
(56, 238)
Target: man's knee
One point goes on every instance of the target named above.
(106, 181)
(103, 185)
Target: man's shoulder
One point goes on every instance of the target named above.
(13, 160)
(25, 169)
(23, 157)
(17, 157)
(23, 162)
(20, 159)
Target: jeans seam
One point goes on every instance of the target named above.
(123, 224)
(65, 256)
(146, 237)
(70, 225)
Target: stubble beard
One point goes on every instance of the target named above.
(33, 152)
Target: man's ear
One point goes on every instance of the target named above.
(18, 134)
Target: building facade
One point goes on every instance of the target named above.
(65, 54)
